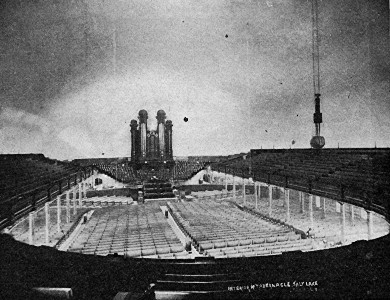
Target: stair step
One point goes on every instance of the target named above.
(195, 285)
(157, 190)
(198, 278)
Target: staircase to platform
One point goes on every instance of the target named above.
(157, 189)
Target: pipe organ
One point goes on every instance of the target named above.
(151, 145)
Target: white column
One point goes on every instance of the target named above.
(287, 200)
(58, 214)
(74, 201)
(311, 211)
(47, 222)
(370, 224)
(363, 213)
(342, 206)
(234, 189)
(260, 185)
(85, 189)
(323, 208)
(338, 206)
(243, 190)
(256, 196)
(352, 214)
(80, 194)
(31, 219)
(281, 191)
(302, 199)
(270, 199)
(67, 207)
(318, 201)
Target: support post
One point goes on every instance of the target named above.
(59, 213)
(311, 211)
(31, 219)
(67, 207)
(243, 190)
(287, 200)
(352, 214)
(234, 189)
(323, 208)
(369, 224)
(281, 191)
(256, 196)
(270, 199)
(74, 201)
(47, 222)
(318, 201)
(85, 186)
(80, 194)
(302, 200)
(342, 206)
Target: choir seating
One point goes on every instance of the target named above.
(125, 172)
(184, 170)
(122, 172)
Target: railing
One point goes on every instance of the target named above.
(19, 206)
(343, 192)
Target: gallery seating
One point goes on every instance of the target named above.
(355, 174)
(21, 173)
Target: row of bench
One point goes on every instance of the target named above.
(219, 227)
(135, 231)
(260, 249)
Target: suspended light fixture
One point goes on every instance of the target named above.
(317, 141)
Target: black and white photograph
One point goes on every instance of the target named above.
(181, 149)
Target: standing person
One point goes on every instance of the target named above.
(188, 244)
